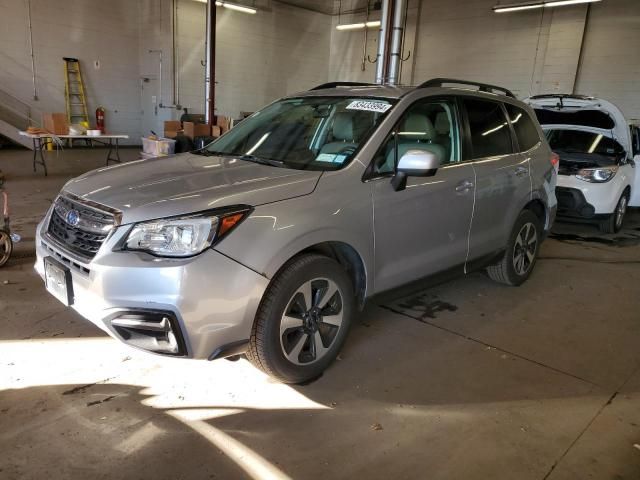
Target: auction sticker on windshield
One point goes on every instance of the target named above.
(369, 106)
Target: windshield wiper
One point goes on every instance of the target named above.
(248, 158)
(262, 160)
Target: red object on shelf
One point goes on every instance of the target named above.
(100, 119)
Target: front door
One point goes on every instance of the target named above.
(424, 228)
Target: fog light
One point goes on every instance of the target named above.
(154, 331)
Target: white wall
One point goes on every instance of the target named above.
(475, 43)
(282, 49)
(259, 58)
(611, 63)
(529, 52)
(347, 53)
(86, 29)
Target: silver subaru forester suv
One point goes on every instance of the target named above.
(269, 240)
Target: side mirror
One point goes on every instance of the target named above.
(415, 163)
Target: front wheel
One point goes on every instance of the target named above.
(303, 319)
(613, 224)
(521, 253)
(6, 247)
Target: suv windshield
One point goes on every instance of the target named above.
(310, 133)
(576, 141)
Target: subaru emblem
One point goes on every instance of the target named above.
(73, 217)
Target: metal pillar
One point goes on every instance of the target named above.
(383, 36)
(395, 51)
(210, 64)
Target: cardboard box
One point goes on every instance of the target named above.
(55, 123)
(223, 122)
(193, 130)
(172, 128)
(172, 125)
(216, 131)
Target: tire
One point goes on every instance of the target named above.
(614, 223)
(6, 247)
(280, 343)
(517, 263)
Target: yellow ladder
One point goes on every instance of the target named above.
(74, 93)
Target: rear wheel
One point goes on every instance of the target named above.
(303, 319)
(6, 247)
(614, 223)
(521, 253)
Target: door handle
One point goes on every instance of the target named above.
(521, 171)
(464, 186)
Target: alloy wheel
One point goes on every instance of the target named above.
(6, 247)
(620, 211)
(311, 321)
(524, 251)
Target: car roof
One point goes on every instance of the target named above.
(434, 87)
(381, 91)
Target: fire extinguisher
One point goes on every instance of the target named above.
(100, 119)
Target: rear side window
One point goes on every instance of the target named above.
(489, 129)
(526, 131)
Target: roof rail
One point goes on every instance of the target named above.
(483, 87)
(562, 95)
(342, 84)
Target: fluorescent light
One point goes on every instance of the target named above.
(595, 143)
(238, 8)
(514, 7)
(560, 3)
(350, 26)
(232, 6)
(358, 26)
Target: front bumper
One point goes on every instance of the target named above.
(584, 201)
(212, 298)
(573, 205)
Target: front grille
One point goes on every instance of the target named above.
(567, 198)
(78, 228)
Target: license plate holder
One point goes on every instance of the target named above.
(57, 280)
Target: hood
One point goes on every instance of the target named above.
(187, 183)
(572, 111)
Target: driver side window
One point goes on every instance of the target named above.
(426, 125)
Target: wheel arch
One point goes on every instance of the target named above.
(538, 207)
(347, 256)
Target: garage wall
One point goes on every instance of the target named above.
(611, 62)
(529, 52)
(347, 53)
(259, 58)
(87, 29)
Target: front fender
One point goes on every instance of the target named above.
(276, 232)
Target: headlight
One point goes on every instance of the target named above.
(183, 236)
(597, 175)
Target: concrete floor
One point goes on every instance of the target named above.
(465, 380)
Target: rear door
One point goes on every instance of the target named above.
(503, 183)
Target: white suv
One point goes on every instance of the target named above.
(599, 174)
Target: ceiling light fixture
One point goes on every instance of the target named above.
(514, 7)
(358, 26)
(233, 6)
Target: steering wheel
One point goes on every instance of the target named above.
(346, 151)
